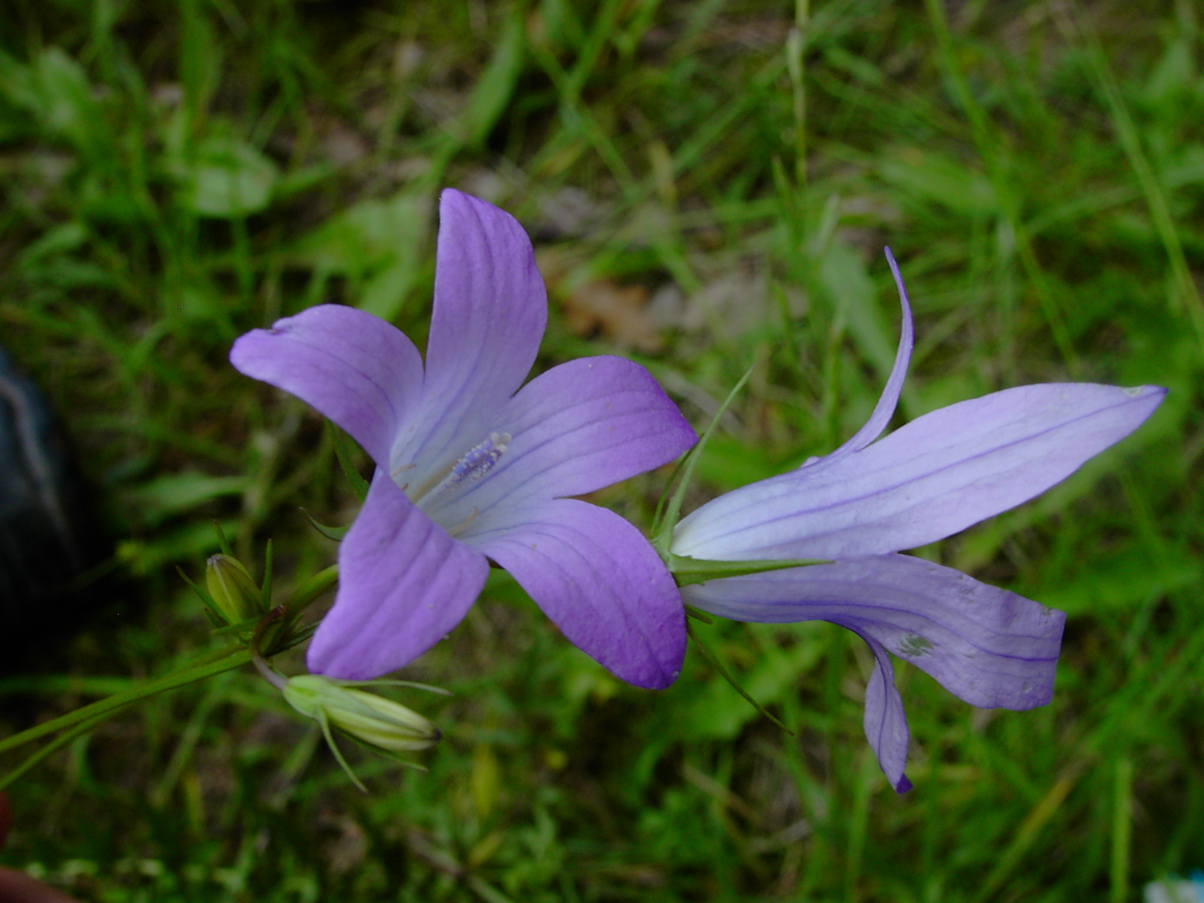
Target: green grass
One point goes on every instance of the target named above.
(172, 175)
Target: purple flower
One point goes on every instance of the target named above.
(863, 503)
(471, 468)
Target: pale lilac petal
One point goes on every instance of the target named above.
(601, 583)
(885, 408)
(581, 426)
(987, 646)
(933, 477)
(404, 582)
(489, 314)
(885, 720)
(356, 369)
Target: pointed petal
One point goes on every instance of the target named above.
(601, 583)
(404, 582)
(582, 425)
(885, 408)
(885, 720)
(354, 368)
(490, 310)
(987, 646)
(933, 477)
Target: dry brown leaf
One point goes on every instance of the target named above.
(617, 311)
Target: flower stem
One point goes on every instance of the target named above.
(214, 663)
(57, 743)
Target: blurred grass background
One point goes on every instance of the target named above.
(709, 184)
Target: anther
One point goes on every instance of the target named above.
(480, 460)
(470, 468)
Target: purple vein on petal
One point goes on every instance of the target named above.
(990, 647)
(845, 485)
(488, 318)
(354, 368)
(404, 582)
(597, 578)
(579, 427)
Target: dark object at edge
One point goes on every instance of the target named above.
(49, 538)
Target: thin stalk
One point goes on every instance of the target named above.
(56, 744)
(227, 660)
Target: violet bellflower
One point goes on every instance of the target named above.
(471, 468)
(865, 502)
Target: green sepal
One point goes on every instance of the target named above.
(310, 589)
(376, 722)
(686, 570)
(211, 610)
(241, 629)
(265, 595)
(344, 449)
(335, 533)
(223, 544)
(715, 663)
(287, 639)
(377, 682)
(668, 509)
(284, 633)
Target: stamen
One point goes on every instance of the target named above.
(481, 459)
(460, 526)
(470, 468)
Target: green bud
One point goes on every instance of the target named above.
(377, 721)
(232, 589)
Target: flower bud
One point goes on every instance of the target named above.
(375, 720)
(233, 591)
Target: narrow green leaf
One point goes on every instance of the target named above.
(669, 507)
(495, 87)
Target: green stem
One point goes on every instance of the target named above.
(209, 665)
(55, 744)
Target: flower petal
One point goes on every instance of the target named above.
(580, 426)
(885, 408)
(489, 314)
(601, 583)
(933, 477)
(404, 582)
(354, 368)
(885, 720)
(987, 646)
